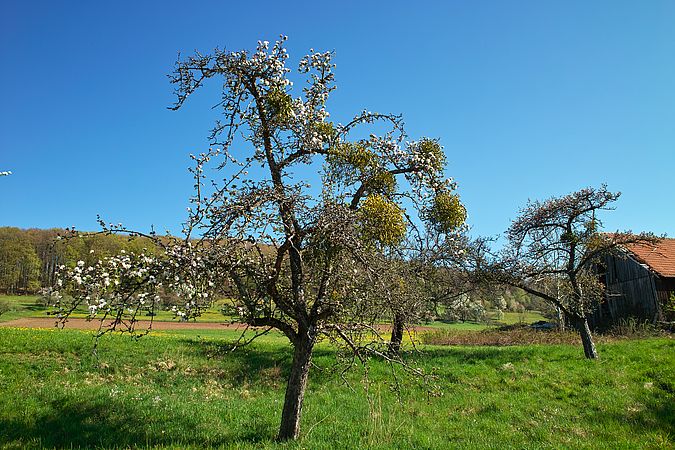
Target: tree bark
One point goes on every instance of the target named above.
(581, 324)
(396, 335)
(295, 389)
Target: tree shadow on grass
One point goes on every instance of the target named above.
(476, 355)
(657, 415)
(104, 423)
(258, 364)
(659, 404)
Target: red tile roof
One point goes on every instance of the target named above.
(659, 257)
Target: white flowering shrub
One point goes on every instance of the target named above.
(464, 308)
(122, 289)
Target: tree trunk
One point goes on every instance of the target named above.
(295, 389)
(561, 319)
(396, 335)
(581, 324)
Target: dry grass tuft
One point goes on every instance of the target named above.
(511, 335)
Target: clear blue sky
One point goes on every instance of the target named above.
(530, 99)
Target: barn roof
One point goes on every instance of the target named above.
(660, 257)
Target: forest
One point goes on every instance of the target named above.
(29, 259)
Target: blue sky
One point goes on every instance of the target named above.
(529, 99)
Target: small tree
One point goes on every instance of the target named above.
(669, 309)
(421, 277)
(553, 251)
(409, 297)
(300, 259)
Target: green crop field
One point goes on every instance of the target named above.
(185, 389)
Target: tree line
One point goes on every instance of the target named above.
(29, 258)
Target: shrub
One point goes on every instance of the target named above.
(5, 306)
(633, 328)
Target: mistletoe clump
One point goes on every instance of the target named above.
(382, 220)
(447, 212)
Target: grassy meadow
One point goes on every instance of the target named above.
(184, 389)
(21, 306)
(30, 306)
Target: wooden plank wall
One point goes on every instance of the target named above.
(631, 292)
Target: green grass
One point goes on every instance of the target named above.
(30, 306)
(182, 390)
(508, 318)
(462, 326)
(22, 306)
(511, 318)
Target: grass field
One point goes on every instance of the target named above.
(511, 318)
(22, 306)
(182, 390)
(30, 306)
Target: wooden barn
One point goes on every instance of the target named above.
(640, 285)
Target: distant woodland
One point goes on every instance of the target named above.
(29, 258)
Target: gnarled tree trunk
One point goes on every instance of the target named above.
(581, 324)
(396, 334)
(295, 389)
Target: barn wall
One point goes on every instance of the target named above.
(631, 292)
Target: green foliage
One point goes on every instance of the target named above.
(670, 306)
(569, 237)
(279, 106)
(191, 392)
(19, 263)
(431, 151)
(447, 212)
(5, 306)
(325, 129)
(381, 182)
(382, 220)
(354, 162)
(355, 155)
